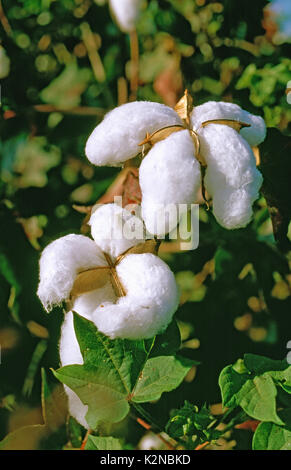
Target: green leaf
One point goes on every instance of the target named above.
(279, 370)
(25, 438)
(270, 436)
(167, 343)
(160, 374)
(54, 404)
(223, 259)
(75, 432)
(188, 421)
(6, 270)
(230, 383)
(36, 358)
(65, 91)
(260, 364)
(103, 443)
(118, 372)
(105, 396)
(257, 398)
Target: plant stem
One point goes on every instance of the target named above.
(155, 427)
(134, 70)
(4, 21)
(85, 439)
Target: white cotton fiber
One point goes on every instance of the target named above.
(86, 304)
(151, 299)
(116, 138)
(169, 175)
(115, 229)
(126, 13)
(60, 263)
(232, 178)
(221, 110)
(70, 354)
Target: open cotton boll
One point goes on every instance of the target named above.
(150, 302)
(116, 138)
(126, 13)
(115, 229)
(232, 178)
(254, 135)
(60, 263)
(169, 175)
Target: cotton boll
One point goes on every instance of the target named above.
(70, 354)
(151, 299)
(221, 110)
(233, 208)
(116, 138)
(126, 13)
(115, 229)
(169, 175)
(60, 263)
(232, 178)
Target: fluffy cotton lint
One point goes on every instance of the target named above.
(232, 179)
(126, 13)
(115, 229)
(116, 138)
(60, 263)
(255, 134)
(150, 302)
(169, 175)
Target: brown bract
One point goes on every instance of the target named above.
(96, 278)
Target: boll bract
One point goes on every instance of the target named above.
(170, 173)
(126, 13)
(150, 295)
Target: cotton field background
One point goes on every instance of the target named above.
(63, 66)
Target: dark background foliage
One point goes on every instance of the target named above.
(236, 286)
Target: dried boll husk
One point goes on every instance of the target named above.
(126, 13)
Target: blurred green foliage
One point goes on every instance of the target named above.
(236, 286)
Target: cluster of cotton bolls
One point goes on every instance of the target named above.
(115, 279)
(170, 174)
(78, 269)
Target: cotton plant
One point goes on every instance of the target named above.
(185, 151)
(115, 280)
